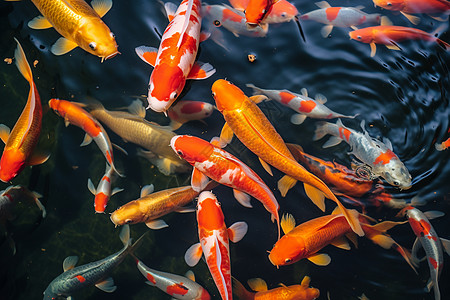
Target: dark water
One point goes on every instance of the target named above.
(401, 95)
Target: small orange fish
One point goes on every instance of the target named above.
(443, 145)
(21, 141)
(293, 292)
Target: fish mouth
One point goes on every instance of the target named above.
(251, 26)
(110, 56)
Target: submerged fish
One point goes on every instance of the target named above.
(186, 110)
(214, 242)
(256, 12)
(339, 17)
(179, 287)
(280, 12)
(372, 152)
(293, 292)
(94, 273)
(302, 104)
(79, 24)
(174, 61)
(103, 191)
(12, 194)
(21, 141)
(132, 127)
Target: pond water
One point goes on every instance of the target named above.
(401, 95)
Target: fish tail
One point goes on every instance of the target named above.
(22, 63)
(93, 104)
(444, 45)
(352, 218)
(406, 255)
(440, 146)
(321, 130)
(240, 291)
(256, 90)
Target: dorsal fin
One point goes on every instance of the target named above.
(186, 21)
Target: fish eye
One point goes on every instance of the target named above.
(358, 37)
(173, 95)
(180, 153)
(112, 34)
(244, 11)
(92, 45)
(128, 221)
(214, 94)
(283, 15)
(396, 183)
(287, 260)
(389, 4)
(217, 23)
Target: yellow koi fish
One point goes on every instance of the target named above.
(79, 24)
(244, 118)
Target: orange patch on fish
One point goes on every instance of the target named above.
(433, 262)
(150, 57)
(421, 227)
(307, 106)
(192, 108)
(344, 133)
(385, 157)
(177, 288)
(332, 13)
(80, 278)
(151, 278)
(286, 97)
(229, 15)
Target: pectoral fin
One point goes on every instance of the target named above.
(193, 254)
(258, 98)
(433, 214)
(4, 133)
(298, 119)
(91, 187)
(306, 281)
(373, 49)
(413, 19)
(316, 196)
(106, 285)
(341, 242)
(287, 223)
(266, 166)
(257, 284)
(38, 158)
(285, 184)
(40, 22)
(156, 224)
(101, 7)
(147, 54)
(242, 198)
(382, 241)
(226, 135)
(237, 231)
(198, 180)
(147, 190)
(70, 262)
(446, 245)
(326, 30)
(86, 141)
(320, 259)
(170, 9)
(201, 71)
(63, 46)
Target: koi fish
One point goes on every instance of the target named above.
(372, 152)
(305, 240)
(407, 7)
(21, 141)
(214, 242)
(103, 191)
(244, 118)
(11, 195)
(151, 206)
(179, 287)
(256, 12)
(300, 291)
(280, 12)
(79, 24)
(75, 278)
(185, 110)
(73, 113)
(211, 161)
(339, 16)
(174, 61)
(443, 145)
(430, 241)
(302, 104)
(132, 127)
(390, 36)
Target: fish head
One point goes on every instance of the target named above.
(49, 294)
(55, 104)
(100, 202)
(396, 5)
(227, 96)
(256, 11)
(96, 38)
(191, 148)
(129, 213)
(303, 291)
(396, 174)
(209, 213)
(11, 163)
(282, 11)
(363, 35)
(287, 250)
(166, 84)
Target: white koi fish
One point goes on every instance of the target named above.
(174, 61)
(304, 105)
(372, 152)
(214, 242)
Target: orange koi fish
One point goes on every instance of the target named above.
(443, 145)
(293, 292)
(430, 241)
(74, 114)
(174, 61)
(79, 24)
(434, 8)
(305, 240)
(179, 287)
(21, 141)
(390, 36)
(185, 110)
(151, 206)
(281, 11)
(244, 118)
(211, 161)
(214, 242)
(103, 191)
(257, 11)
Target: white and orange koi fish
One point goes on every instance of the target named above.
(214, 242)
(339, 17)
(179, 287)
(21, 141)
(211, 161)
(103, 191)
(186, 110)
(302, 104)
(372, 152)
(74, 114)
(430, 241)
(280, 12)
(174, 61)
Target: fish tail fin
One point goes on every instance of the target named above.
(22, 63)
(240, 291)
(93, 104)
(406, 255)
(256, 90)
(127, 241)
(439, 146)
(352, 218)
(321, 130)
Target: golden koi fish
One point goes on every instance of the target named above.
(79, 24)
